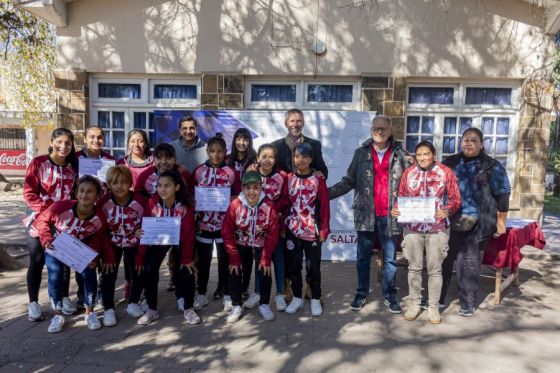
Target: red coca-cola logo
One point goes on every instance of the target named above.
(12, 159)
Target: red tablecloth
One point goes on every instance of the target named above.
(505, 251)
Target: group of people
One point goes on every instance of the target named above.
(277, 220)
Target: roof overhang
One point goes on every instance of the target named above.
(52, 11)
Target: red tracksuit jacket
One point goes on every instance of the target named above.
(147, 181)
(123, 221)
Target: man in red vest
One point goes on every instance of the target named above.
(374, 174)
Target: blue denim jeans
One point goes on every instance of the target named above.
(365, 246)
(278, 263)
(55, 271)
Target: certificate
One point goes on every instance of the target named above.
(161, 231)
(417, 209)
(95, 167)
(72, 252)
(212, 198)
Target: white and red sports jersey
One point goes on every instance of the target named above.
(437, 181)
(136, 170)
(103, 155)
(308, 194)
(61, 217)
(148, 179)
(156, 208)
(123, 221)
(208, 176)
(275, 187)
(45, 183)
(250, 226)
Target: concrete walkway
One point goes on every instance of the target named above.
(520, 335)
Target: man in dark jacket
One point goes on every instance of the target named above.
(294, 123)
(374, 174)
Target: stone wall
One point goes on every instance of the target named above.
(222, 91)
(72, 102)
(386, 95)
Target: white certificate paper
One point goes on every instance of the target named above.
(95, 167)
(417, 209)
(161, 231)
(212, 198)
(72, 252)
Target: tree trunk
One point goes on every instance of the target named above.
(7, 262)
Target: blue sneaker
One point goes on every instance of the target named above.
(466, 312)
(393, 306)
(358, 303)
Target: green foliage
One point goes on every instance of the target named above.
(552, 204)
(28, 62)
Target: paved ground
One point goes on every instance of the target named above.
(520, 335)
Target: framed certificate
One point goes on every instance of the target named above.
(212, 198)
(417, 209)
(95, 167)
(161, 231)
(72, 252)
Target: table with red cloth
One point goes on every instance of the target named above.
(505, 251)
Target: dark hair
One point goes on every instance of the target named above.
(250, 156)
(477, 132)
(217, 139)
(88, 179)
(164, 150)
(293, 111)
(182, 194)
(267, 146)
(426, 144)
(71, 157)
(147, 151)
(187, 118)
(95, 128)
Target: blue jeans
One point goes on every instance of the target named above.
(366, 244)
(278, 262)
(55, 271)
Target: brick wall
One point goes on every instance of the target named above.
(72, 102)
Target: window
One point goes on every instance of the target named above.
(113, 124)
(174, 91)
(488, 96)
(329, 93)
(273, 93)
(119, 90)
(453, 128)
(165, 92)
(496, 137)
(419, 128)
(431, 95)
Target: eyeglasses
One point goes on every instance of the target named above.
(379, 129)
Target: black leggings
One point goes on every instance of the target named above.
(204, 250)
(35, 269)
(236, 280)
(295, 248)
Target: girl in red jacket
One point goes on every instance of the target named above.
(213, 173)
(124, 210)
(139, 157)
(242, 154)
(307, 227)
(250, 228)
(84, 222)
(49, 178)
(171, 200)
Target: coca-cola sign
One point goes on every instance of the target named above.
(12, 159)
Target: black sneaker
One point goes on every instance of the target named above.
(358, 303)
(218, 294)
(245, 294)
(425, 305)
(393, 306)
(171, 285)
(466, 312)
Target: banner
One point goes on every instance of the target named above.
(340, 133)
(12, 160)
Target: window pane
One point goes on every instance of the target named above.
(428, 138)
(152, 121)
(273, 93)
(488, 144)
(428, 124)
(107, 137)
(152, 137)
(430, 95)
(104, 119)
(118, 90)
(450, 125)
(502, 127)
(411, 142)
(412, 124)
(140, 120)
(488, 126)
(488, 96)
(329, 93)
(118, 139)
(118, 119)
(449, 144)
(175, 91)
(466, 123)
(118, 154)
(501, 145)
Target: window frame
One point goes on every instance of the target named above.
(272, 104)
(354, 105)
(94, 84)
(162, 102)
(456, 95)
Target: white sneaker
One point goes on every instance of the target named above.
(316, 309)
(266, 312)
(200, 301)
(68, 307)
(34, 311)
(56, 324)
(92, 321)
(280, 303)
(191, 317)
(235, 314)
(228, 303)
(253, 301)
(144, 306)
(181, 304)
(295, 305)
(134, 310)
(109, 318)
